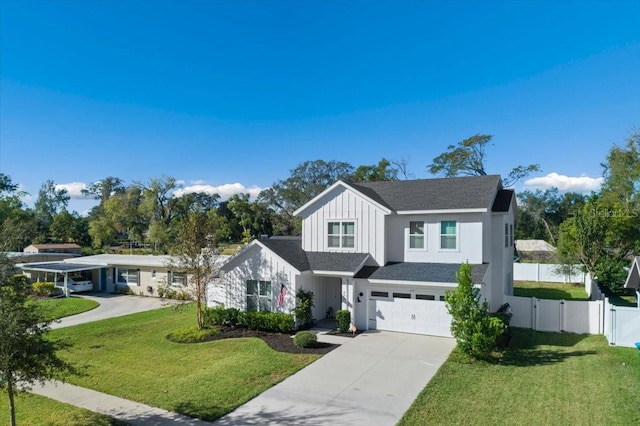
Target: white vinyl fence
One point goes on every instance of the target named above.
(621, 324)
(556, 315)
(547, 272)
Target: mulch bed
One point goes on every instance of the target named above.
(347, 334)
(276, 341)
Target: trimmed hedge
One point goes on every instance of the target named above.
(264, 321)
(344, 320)
(44, 289)
(305, 339)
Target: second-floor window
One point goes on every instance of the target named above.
(416, 235)
(341, 235)
(448, 235)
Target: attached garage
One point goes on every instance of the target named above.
(419, 311)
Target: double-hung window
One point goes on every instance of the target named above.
(341, 234)
(258, 295)
(448, 235)
(416, 235)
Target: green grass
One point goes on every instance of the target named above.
(37, 410)
(130, 357)
(555, 291)
(542, 379)
(66, 306)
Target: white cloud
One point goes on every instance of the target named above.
(74, 189)
(565, 183)
(225, 191)
(179, 182)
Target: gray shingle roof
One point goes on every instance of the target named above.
(341, 262)
(433, 194)
(290, 249)
(433, 272)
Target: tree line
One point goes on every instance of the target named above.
(149, 214)
(600, 230)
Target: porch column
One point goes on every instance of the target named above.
(66, 289)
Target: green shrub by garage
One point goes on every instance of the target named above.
(344, 320)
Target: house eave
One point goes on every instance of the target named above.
(333, 273)
(413, 283)
(311, 202)
(443, 211)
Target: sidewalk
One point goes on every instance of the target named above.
(119, 408)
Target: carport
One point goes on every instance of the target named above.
(63, 268)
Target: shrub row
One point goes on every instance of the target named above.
(265, 321)
(44, 289)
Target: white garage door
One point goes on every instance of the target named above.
(419, 312)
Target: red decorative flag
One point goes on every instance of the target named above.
(283, 293)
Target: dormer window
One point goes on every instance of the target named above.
(341, 234)
(416, 235)
(448, 235)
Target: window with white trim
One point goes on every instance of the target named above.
(259, 296)
(341, 234)
(128, 276)
(448, 235)
(416, 235)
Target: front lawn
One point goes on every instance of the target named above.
(67, 306)
(38, 410)
(130, 357)
(555, 291)
(543, 378)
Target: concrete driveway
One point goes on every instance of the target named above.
(112, 305)
(369, 380)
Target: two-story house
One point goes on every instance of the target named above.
(386, 251)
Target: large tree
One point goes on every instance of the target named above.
(305, 182)
(27, 356)
(383, 171)
(467, 158)
(49, 202)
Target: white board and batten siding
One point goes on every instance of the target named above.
(258, 264)
(344, 204)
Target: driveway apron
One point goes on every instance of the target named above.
(369, 380)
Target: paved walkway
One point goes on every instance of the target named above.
(119, 408)
(112, 305)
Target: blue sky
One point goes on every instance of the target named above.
(231, 95)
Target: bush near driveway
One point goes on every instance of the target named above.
(542, 379)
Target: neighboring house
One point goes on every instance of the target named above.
(386, 251)
(142, 274)
(53, 248)
(633, 278)
(535, 250)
